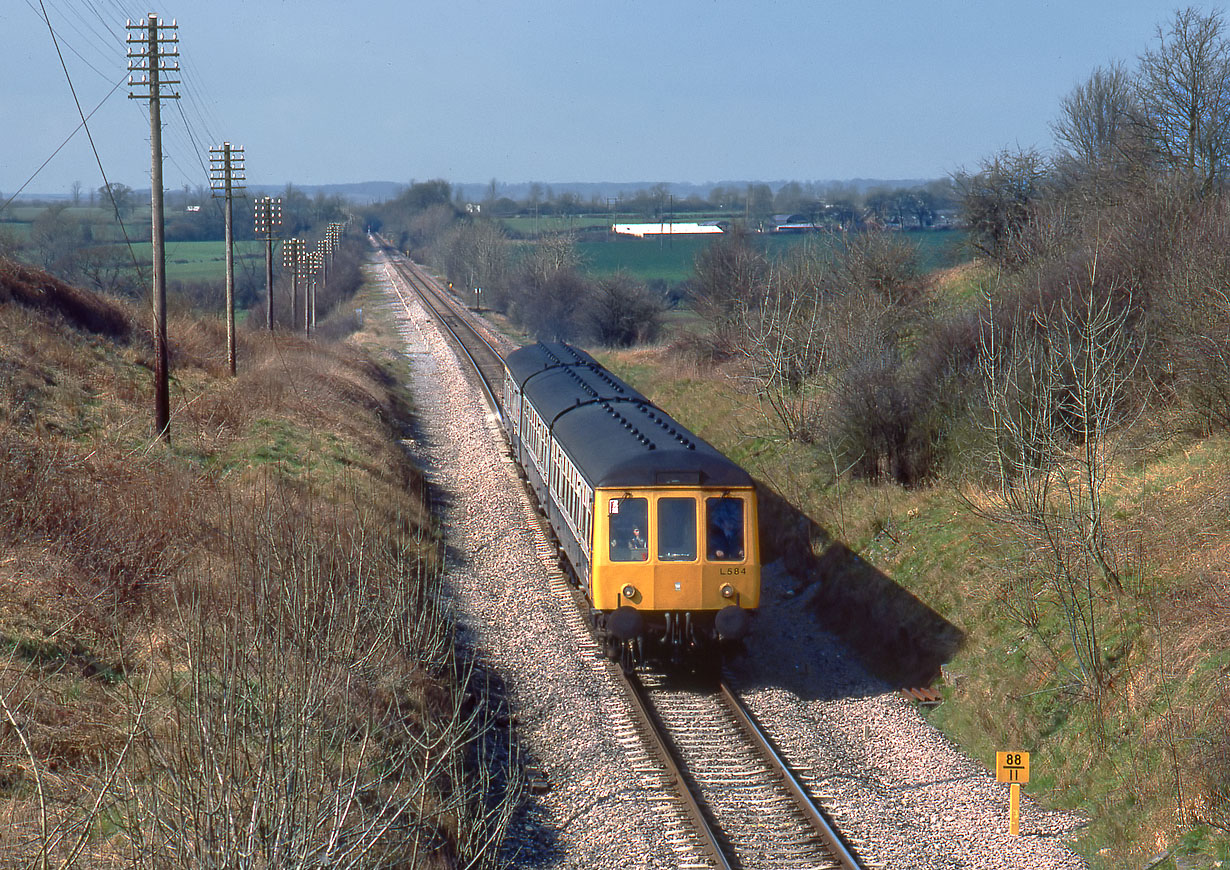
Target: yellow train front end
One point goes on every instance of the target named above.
(676, 565)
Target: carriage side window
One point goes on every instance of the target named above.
(724, 529)
(677, 529)
(628, 519)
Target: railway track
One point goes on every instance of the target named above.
(740, 804)
(757, 812)
(468, 340)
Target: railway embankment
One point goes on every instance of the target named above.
(923, 584)
(228, 647)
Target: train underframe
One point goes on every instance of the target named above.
(677, 638)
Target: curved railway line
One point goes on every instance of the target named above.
(746, 805)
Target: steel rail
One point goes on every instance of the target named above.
(713, 844)
(815, 815)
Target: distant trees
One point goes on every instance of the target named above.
(474, 254)
(1184, 94)
(55, 236)
(118, 196)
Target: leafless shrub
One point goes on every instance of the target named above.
(997, 200)
(1055, 389)
(784, 343)
(299, 731)
(730, 283)
(622, 311)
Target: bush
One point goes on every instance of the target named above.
(621, 312)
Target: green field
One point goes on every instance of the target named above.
(186, 261)
(672, 259)
(529, 226)
(206, 261)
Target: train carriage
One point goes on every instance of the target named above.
(658, 526)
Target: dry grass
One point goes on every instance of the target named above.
(229, 649)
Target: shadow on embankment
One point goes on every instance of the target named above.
(897, 637)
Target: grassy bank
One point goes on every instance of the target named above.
(228, 648)
(916, 577)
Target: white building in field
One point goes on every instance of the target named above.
(664, 229)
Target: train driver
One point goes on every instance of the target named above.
(638, 545)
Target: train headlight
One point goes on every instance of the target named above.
(728, 591)
(629, 592)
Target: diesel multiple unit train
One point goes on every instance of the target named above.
(658, 527)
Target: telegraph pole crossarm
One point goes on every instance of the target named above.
(293, 259)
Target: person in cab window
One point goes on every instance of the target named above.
(638, 545)
(725, 529)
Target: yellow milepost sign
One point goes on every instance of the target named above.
(1013, 767)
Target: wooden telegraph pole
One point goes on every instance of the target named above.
(152, 45)
(293, 259)
(267, 213)
(225, 171)
(315, 264)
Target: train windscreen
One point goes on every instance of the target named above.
(676, 529)
(724, 529)
(629, 529)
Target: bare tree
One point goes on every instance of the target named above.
(1184, 94)
(553, 253)
(784, 344)
(1056, 388)
(106, 268)
(1096, 121)
(730, 282)
(621, 311)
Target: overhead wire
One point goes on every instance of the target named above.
(60, 147)
(89, 23)
(85, 124)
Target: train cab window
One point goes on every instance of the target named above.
(677, 529)
(628, 519)
(724, 529)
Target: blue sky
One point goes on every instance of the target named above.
(693, 91)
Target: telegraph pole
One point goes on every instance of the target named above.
(315, 263)
(150, 49)
(268, 215)
(225, 169)
(293, 259)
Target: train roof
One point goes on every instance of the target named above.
(614, 434)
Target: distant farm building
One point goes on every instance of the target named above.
(664, 229)
(793, 223)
